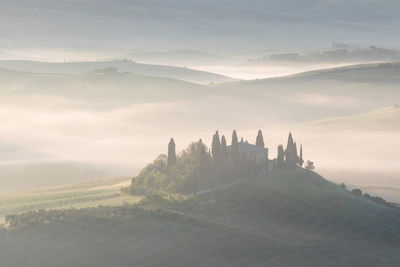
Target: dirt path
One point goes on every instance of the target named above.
(220, 187)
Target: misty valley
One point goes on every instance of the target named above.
(199, 133)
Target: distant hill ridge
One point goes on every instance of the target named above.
(78, 67)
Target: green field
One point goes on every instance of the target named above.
(91, 194)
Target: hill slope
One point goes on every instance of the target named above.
(282, 219)
(179, 73)
(89, 194)
(324, 93)
(98, 90)
(386, 119)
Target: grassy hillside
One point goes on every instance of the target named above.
(179, 73)
(375, 72)
(296, 201)
(90, 194)
(287, 218)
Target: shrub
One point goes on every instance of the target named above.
(357, 192)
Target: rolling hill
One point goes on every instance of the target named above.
(386, 119)
(99, 90)
(324, 93)
(165, 71)
(287, 218)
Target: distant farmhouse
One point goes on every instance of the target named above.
(250, 152)
(102, 72)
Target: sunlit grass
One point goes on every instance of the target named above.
(93, 194)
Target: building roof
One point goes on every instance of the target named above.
(247, 147)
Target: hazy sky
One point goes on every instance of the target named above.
(216, 26)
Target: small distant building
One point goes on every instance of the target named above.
(251, 152)
(103, 72)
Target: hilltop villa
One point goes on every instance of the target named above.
(251, 152)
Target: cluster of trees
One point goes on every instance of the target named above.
(289, 158)
(197, 167)
(183, 173)
(378, 200)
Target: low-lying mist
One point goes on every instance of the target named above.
(48, 141)
(62, 128)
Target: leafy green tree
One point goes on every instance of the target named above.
(260, 139)
(190, 171)
(203, 159)
(171, 153)
(201, 169)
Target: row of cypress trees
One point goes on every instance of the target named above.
(218, 151)
(289, 158)
(286, 158)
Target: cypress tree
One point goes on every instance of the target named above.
(290, 141)
(235, 149)
(291, 157)
(223, 149)
(280, 160)
(260, 139)
(171, 153)
(301, 160)
(216, 146)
